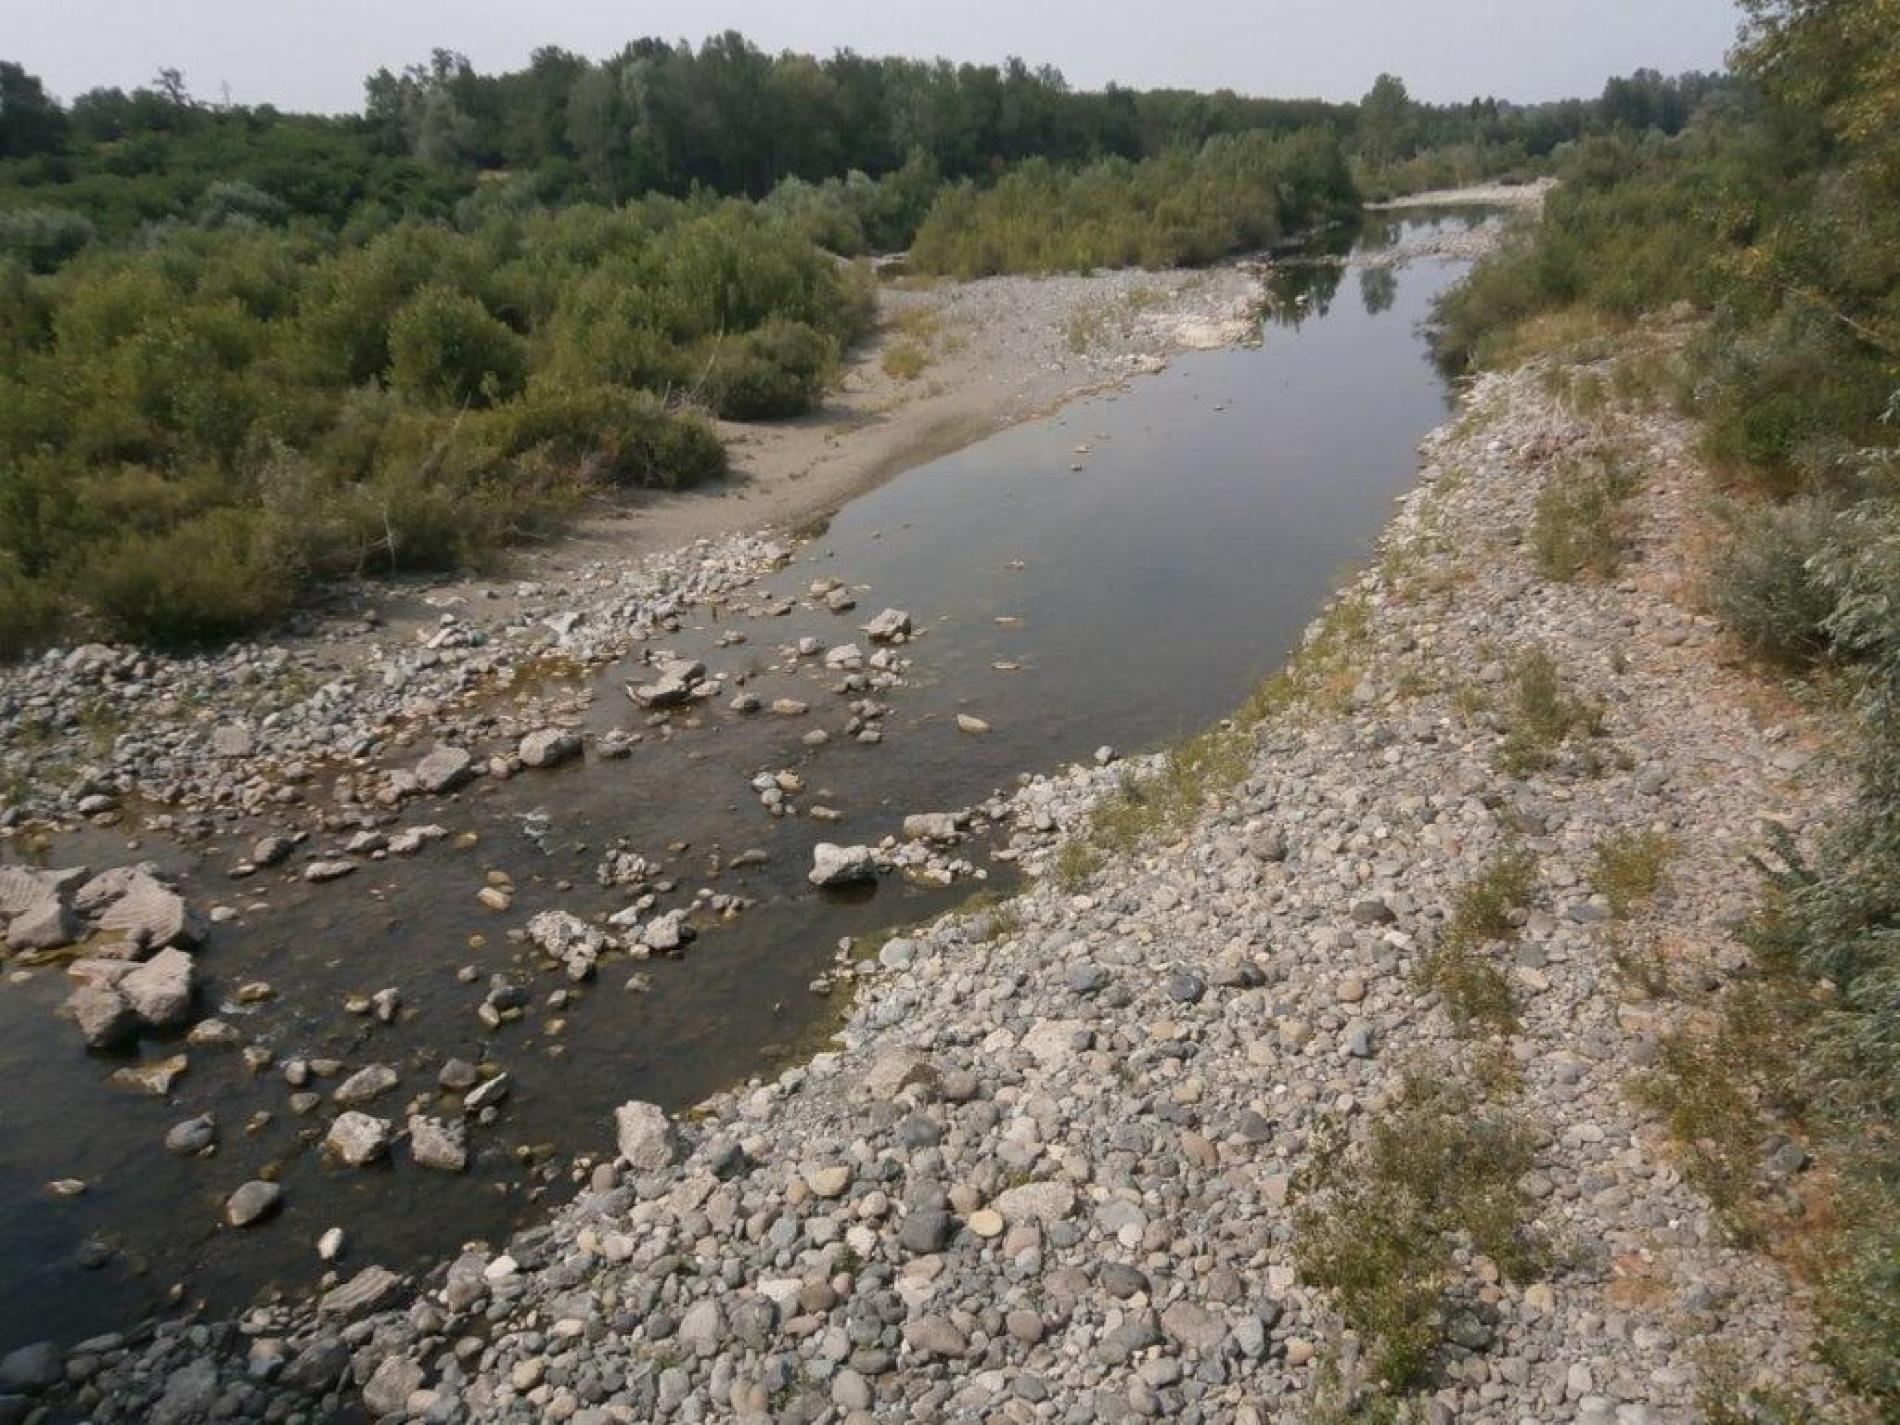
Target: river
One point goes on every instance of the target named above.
(1125, 602)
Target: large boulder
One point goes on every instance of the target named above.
(646, 1137)
(35, 910)
(159, 991)
(444, 769)
(145, 913)
(944, 826)
(389, 1387)
(32, 1368)
(841, 865)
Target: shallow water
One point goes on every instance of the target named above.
(1140, 597)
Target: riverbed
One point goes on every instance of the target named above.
(1115, 575)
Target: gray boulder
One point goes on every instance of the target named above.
(646, 1136)
(357, 1138)
(549, 747)
(444, 769)
(159, 991)
(841, 865)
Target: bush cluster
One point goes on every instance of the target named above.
(1778, 219)
(1183, 208)
(193, 428)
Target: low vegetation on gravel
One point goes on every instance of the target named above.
(1775, 227)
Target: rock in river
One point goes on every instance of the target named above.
(888, 626)
(438, 1145)
(103, 1016)
(444, 769)
(646, 1136)
(357, 1138)
(159, 991)
(370, 1082)
(252, 1203)
(841, 865)
(549, 747)
(194, 1135)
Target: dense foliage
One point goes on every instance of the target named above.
(1780, 220)
(242, 349)
(191, 428)
(1237, 193)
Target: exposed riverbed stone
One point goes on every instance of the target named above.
(646, 1137)
(357, 1138)
(834, 866)
(252, 1203)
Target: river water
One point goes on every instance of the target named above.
(1126, 603)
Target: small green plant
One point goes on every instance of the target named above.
(905, 361)
(1379, 1222)
(1075, 863)
(1629, 868)
(1460, 967)
(1639, 962)
(1579, 526)
(1542, 715)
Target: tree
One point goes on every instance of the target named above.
(30, 121)
(1386, 122)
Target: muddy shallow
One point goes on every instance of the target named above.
(1129, 601)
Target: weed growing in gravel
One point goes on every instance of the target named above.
(1580, 525)
(1711, 1092)
(1459, 967)
(1639, 962)
(1542, 715)
(1323, 670)
(1631, 866)
(905, 361)
(1379, 1222)
(1075, 863)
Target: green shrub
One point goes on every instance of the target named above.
(1460, 966)
(1379, 1222)
(229, 204)
(1542, 715)
(777, 371)
(1767, 389)
(216, 575)
(1768, 582)
(30, 613)
(444, 348)
(613, 436)
(1578, 527)
(1236, 192)
(42, 238)
(1628, 868)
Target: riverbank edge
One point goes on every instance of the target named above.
(241, 728)
(1458, 535)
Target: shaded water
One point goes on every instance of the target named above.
(1138, 598)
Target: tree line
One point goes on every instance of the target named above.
(724, 116)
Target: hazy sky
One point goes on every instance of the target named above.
(314, 54)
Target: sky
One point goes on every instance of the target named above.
(314, 54)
